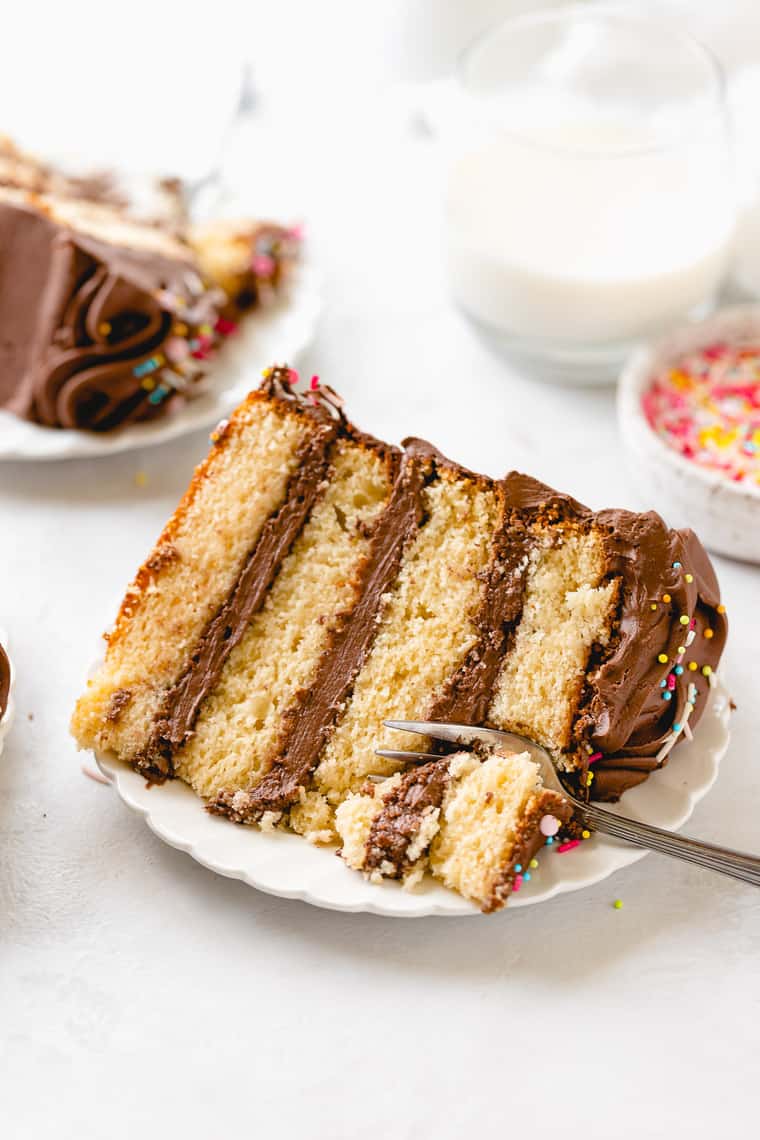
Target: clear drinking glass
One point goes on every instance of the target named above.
(590, 197)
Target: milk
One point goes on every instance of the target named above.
(588, 232)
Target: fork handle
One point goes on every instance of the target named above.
(735, 864)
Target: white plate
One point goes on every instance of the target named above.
(7, 718)
(288, 866)
(279, 333)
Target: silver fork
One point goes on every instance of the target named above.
(728, 862)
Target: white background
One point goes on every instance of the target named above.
(142, 996)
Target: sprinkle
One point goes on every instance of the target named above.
(693, 666)
(568, 846)
(671, 681)
(721, 609)
(518, 867)
(676, 727)
(291, 376)
(177, 349)
(594, 757)
(676, 565)
(141, 479)
(653, 606)
(708, 634)
(585, 834)
(147, 366)
(589, 779)
(663, 683)
(549, 841)
(147, 384)
(533, 864)
(527, 876)
(706, 670)
(314, 383)
(548, 825)
(666, 598)
(263, 265)
(618, 904)
(179, 329)
(225, 327)
(219, 431)
(91, 774)
(681, 650)
(667, 695)
(104, 328)
(662, 658)
(678, 670)
(684, 619)
(690, 636)
(689, 578)
(517, 882)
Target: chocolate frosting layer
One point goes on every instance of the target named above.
(395, 827)
(183, 701)
(310, 721)
(5, 681)
(92, 334)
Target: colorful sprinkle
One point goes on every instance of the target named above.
(689, 578)
(667, 695)
(666, 598)
(708, 634)
(568, 846)
(518, 867)
(533, 864)
(678, 670)
(527, 877)
(141, 479)
(618, 904)
(585, 834)
(676, 565)
(662, 658)
(653, 606)
(263, 265)
(549, 841)
(549, 825)
(721, 609)
(706, 670)
(693, 666)
(104, 328)
(517, 882)
(684, 619)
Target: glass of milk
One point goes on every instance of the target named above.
(590, 198)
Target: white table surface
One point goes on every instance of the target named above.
(140, 995)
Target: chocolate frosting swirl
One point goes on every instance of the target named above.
(94, 356)
(5, 681)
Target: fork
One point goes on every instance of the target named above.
(736, 864)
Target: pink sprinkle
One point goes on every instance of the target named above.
(563, 847)
(225, 327)
(91, 774)
(517, 882)
(594, 757)
(548, 825)
(263, 265)
(292, 376)
(314, 383)
(671, 681)
(296, 232)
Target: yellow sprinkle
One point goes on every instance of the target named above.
(681, 650)
(585, 834)
(693, 666)
(706, 670)
(618, 904)
(689, 577)
(721, 609)
(653, 606)
(662, 658)
(141, 479)
(684, 619)
(104, 328)
(147, 384)
(589, 779)
(666, 598)
(708, 634)
(180, 329)
(533, 864)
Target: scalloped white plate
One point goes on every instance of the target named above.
(288, 866)
(280, 332)
(7, 718)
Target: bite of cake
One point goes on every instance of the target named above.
(315, 581)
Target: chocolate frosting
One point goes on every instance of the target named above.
(310, 721)
(395, 827)
(182, 703)
(5, 681)
(86, 326)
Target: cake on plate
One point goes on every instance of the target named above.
(108, 318)
(6, 689)
(315, 581)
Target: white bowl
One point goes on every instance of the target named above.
(7, 717)
(725, 515)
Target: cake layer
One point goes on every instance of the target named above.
(470, 821)
(244, 508)
(268, 678)
(5, 681)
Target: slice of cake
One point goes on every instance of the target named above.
(474, 823)
(108, 318)
(315, 581)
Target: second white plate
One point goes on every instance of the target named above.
(285, 865)
(276, 334)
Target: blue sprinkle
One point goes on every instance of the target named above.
(676, 727)
(549, 841)
(518, 868)
(678, 670)
(526, 877)
(146, 367)
(676, 565)
(668, 696)
(663, 683)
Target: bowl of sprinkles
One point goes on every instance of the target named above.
(689, 415)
